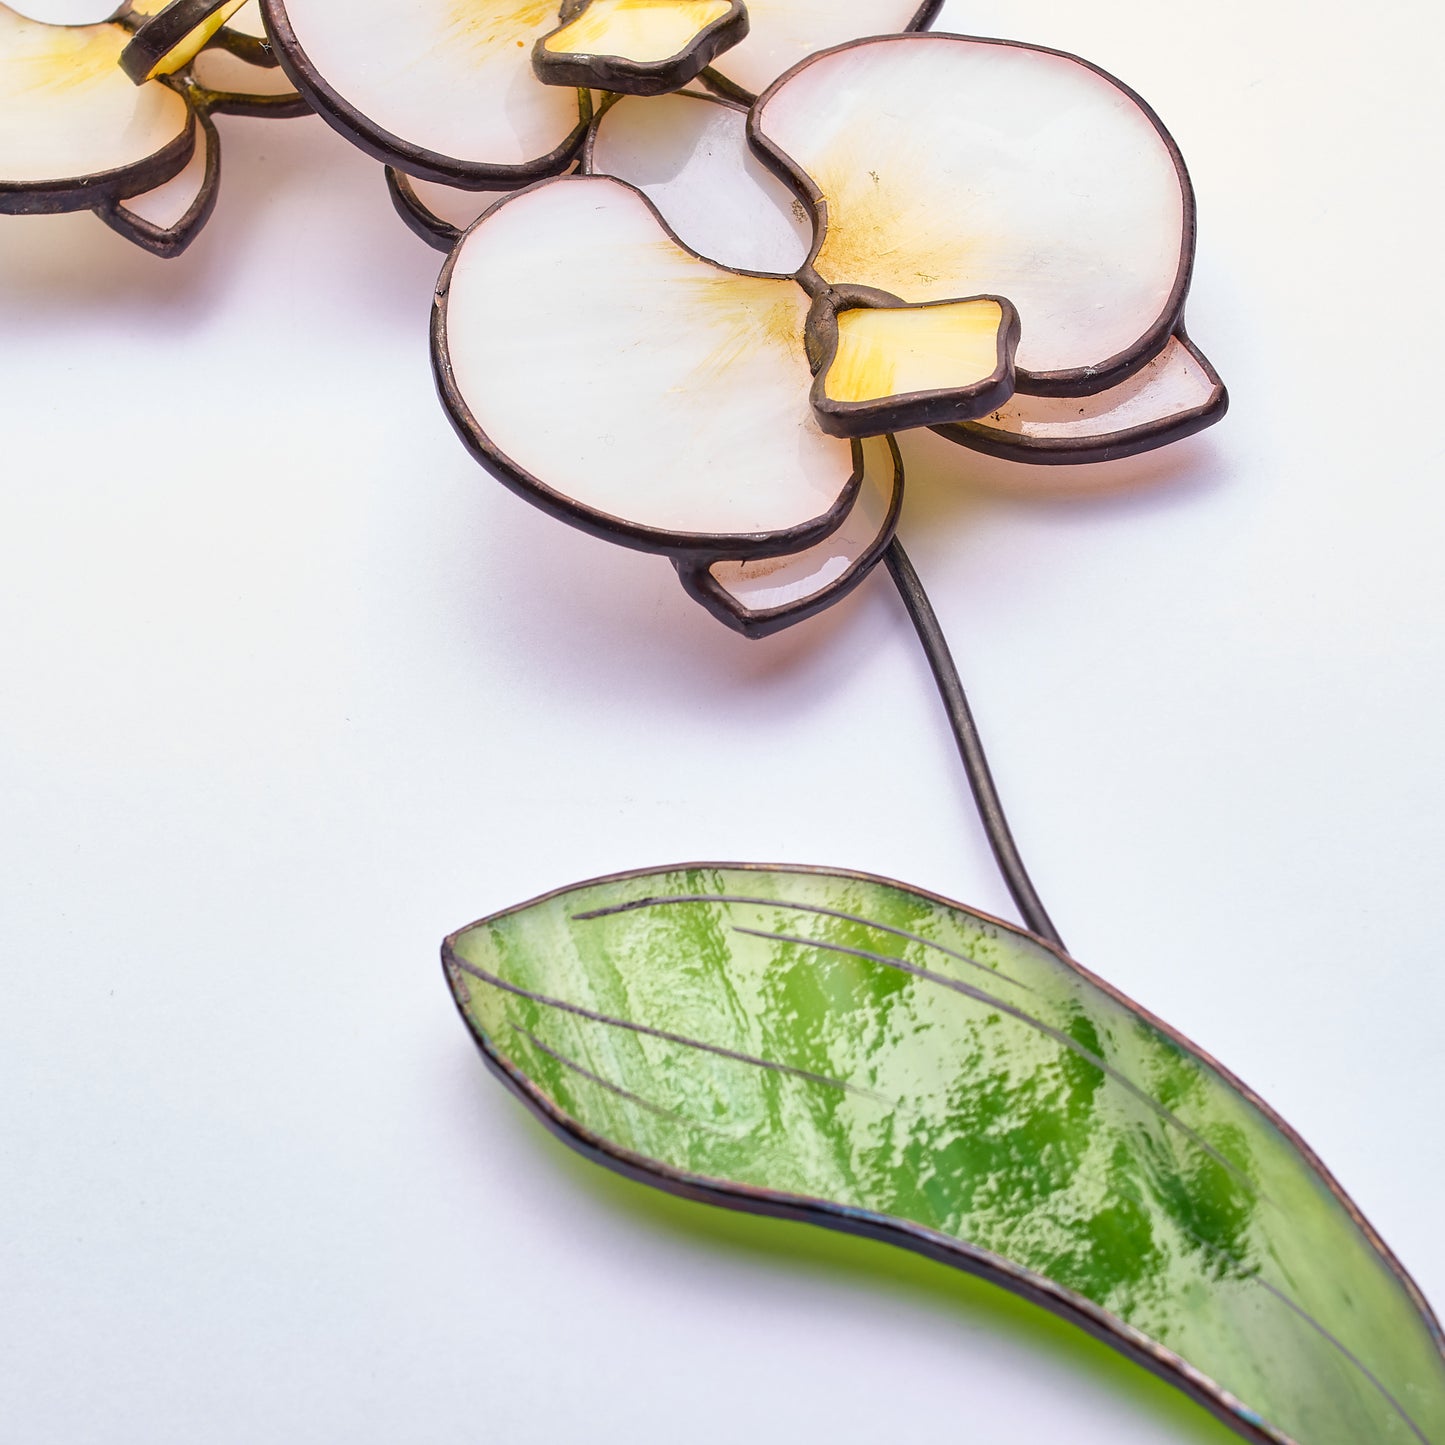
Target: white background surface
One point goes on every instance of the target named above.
(291, 689)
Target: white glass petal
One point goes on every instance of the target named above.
(218, 69)
(691, 157)
(956, 167)
(449, 76)
(1176, 388)
(68, 110)
(783, 32)
(644, 31)
(631, 378)
(769, 583)
(166, 206)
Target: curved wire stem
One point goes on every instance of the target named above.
(970, 746)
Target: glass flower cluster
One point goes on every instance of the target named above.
(739, 247)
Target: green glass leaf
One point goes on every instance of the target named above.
(845, 1050)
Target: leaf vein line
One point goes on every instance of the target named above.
(1058, 1035)
(1255, 1274)
(659, 902)
(477, 972)
(1345, 1350)
(603, 1083)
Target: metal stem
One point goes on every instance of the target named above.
(970, 746)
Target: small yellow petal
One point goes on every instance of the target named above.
(895, 351)
(191, 45)
(646, 32)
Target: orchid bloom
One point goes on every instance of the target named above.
(733, 311)
(115, 117)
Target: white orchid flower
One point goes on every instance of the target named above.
(1009, 267)
(115, 117)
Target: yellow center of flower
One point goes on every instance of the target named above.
(644, 31)
(894, 351)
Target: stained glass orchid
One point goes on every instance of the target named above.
(116, 117)
(703, 344)
(1009, 269)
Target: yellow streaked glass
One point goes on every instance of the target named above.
(194, 42)
(644, 31)
(894, 351)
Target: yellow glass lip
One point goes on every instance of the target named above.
(886, 352)
(173, 37)
(638, 47)
(882, 364)
(645, 32)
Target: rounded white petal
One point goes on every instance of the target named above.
(67, 109)
(620, 381)
(1173, 396)
(763, 595)
(446, 82)
(954, 167)
(783, 32)
(689, 154)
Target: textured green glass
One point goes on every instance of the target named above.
(884, 1061)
